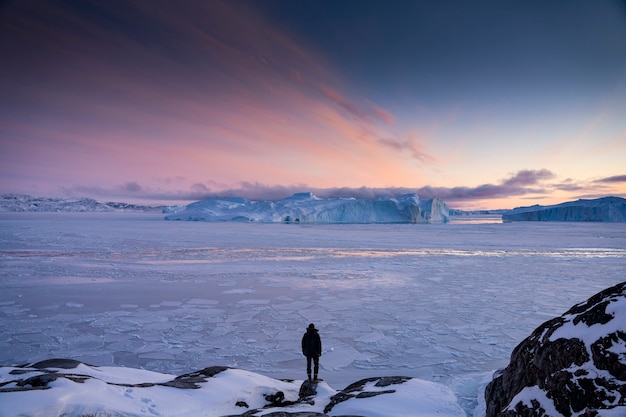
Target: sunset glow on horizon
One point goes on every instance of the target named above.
(485, 105)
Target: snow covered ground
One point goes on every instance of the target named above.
(444, 303)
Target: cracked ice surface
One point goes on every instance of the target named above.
(446, 303)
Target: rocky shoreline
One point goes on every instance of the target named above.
(572, 365)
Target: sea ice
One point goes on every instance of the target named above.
(446, 303)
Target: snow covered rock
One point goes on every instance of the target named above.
(396, 396)
(69, 388)
(573, 365)
(607, 209)
(307, 208)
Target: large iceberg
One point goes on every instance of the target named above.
(607, 209)
(308, 208)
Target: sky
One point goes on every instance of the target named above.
(484, 104)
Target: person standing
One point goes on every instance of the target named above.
(312, 349)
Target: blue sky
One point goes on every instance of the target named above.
(485, 104)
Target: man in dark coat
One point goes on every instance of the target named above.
(312, 349)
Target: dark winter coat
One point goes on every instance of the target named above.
(311, 344)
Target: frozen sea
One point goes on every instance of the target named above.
(444, 303)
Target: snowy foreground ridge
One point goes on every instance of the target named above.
(63, 387)
(307, 208)
(607, 209)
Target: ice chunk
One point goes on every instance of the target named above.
(239, 291)
(202, 301)
(370, 337)
(171, 303)
(313, 315)
(73, 304)
(254, 302)
(338, 356)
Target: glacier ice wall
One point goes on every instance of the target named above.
(607, 209)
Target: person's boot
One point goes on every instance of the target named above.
(315, 377)
(309, 377)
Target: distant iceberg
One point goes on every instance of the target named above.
(607, 209)
(24, 202)
(308, 208)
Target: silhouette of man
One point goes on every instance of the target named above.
(312, 349)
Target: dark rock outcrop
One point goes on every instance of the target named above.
(62, 363)
(50, 371)
(308, 389)
(571, 365)
(191, 380)
(359, 389)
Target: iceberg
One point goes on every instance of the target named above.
(308, 208)
(607, 209)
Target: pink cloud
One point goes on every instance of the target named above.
(369, 113)
(218, 94)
